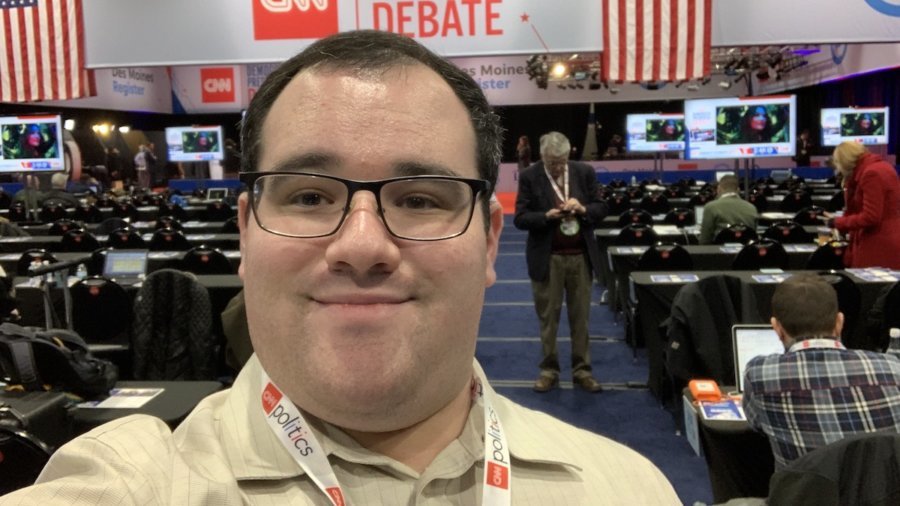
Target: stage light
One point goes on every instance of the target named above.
(69, 124)
(124, 129)
(559, 70)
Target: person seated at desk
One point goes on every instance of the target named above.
(817, 392)
(58, 193)
(728, 209)
(364, 277)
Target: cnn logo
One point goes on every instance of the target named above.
(294, 19)
(217, 84)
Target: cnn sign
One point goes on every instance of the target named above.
(217, 84)
(294, 19)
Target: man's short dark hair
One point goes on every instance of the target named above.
(729, 183)
(806, 306)
(365, 52)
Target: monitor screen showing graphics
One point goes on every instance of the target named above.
(867, 125)
(194, 143)
(31, 143)
(740, 127)
(655, 132)
(125, 264)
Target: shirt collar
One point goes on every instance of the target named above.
(253, 452)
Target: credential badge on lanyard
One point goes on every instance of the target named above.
(294, 433)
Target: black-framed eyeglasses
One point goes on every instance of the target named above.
(418, 208)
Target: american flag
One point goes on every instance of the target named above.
(42, 51)
(656, 40)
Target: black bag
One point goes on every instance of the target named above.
(56, 357)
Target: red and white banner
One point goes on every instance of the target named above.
(656, 40)
(42, 51)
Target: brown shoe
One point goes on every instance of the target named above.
(545, 383)
(588, 383)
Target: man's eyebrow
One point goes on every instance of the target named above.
(305, 162)
(422, 169)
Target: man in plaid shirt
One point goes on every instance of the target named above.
(817, 392)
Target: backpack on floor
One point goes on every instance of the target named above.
(58, 358)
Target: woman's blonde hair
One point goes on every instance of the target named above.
(846, 155)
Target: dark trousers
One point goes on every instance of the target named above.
(569, 277)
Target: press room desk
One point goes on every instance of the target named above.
(189, 227)
(738, 459)
(145, 213)
(706, 257)
(172, 405)
(49, 242)
(156, 259)
(606, 238)
(655, 303)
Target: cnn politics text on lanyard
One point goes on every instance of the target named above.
(291, 429)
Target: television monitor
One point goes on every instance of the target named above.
(31, 143)
(655, 132)
(194, 143)
(740, 127)
(866, 125)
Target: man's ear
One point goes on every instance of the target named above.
(838, 325)
(243, 218)
(493, 241)
(785, 339)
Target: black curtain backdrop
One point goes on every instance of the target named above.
(874, 89)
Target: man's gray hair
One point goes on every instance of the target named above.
(555, 144)
(59, 181)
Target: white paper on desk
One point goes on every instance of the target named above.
(691, 426)
(666, 229)
(125, 398)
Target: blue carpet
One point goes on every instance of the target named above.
(509, 349)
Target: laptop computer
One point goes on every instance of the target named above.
(751, 341)
(215, 194)
(126, 267)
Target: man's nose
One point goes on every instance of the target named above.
(363, 244)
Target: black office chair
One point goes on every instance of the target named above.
(618, 203)
(829, 256)
(36, 256)
(700, 199)
(126, 238)
(60, 227)
(218, 211)
(788, 232)
(173, 210)
(167, 239)
(617, 183)
(763, 189)
(635, 193)
(97, 262)
(24, 456)
(736, 233)
(759, 201)
(836, 203)
(761, 254)
(206, 260)
(809, 215)
(168, 222)
(110, 225)
(52, 211)
(78, 240)
(637, 234)
(796, 200)
(230, 226)
(680, 217)
(105, 200)
(147, 199)
(686, 182)
(882, 317)
(125, 210)
(5, 200)
(101, 309)
(655, 203)
(791, 183)
(17, 212)
(88, 213)
(634, 216)
(849, 303)
(858, 470)
(665, 257)
(674, 192)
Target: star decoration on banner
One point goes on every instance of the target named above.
(525, 17)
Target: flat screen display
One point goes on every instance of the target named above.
(864, 125)
(737, 127)
(655, 132)
(31, 143)
(194, 143)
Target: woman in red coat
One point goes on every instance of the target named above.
(872, 211)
